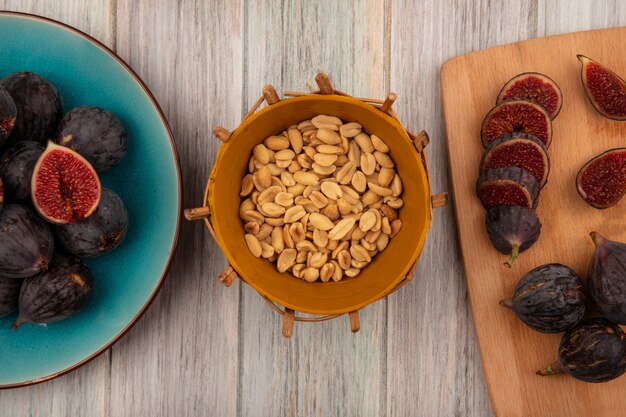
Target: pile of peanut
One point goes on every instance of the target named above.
(321, 199)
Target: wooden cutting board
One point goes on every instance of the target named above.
(511, 352)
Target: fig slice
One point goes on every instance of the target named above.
(512, 230)
(518, 150)
(516, 116)
(535, 87)
(65, 187)
(601, 182)
(510, 186)
(605, 89)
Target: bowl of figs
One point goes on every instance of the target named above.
(89, 199)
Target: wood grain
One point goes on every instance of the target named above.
(323, 369)
(512, 352)
(182, 358)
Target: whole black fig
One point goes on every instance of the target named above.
(38, 104)
(97, 134)
(16, 169)
(549, 298)
(512, 230)
(26, 242)
(9, 295)
(593, 351)
(607, 278)
(99, 233)
(56, 294)
(8, 114)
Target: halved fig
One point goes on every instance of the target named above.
(516, 116)
(510, 186)
(518, 150)
(65, 187)
(535, 87)
(601, 182)
(605, 89)
(8, 114)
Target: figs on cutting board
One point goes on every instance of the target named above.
(518, 150)
(101, 232)
(601, 182)
(549, 298)
(607, 278)
(592, 351)
(38, 104)
(8, 114)
(26, 242)
(16, 168)
(512, 230)
(510, 186)
(516, 116)
(56, 294)
(535, 87)
(96, 134)
(9, 295)
(65, 187)
(605, 89)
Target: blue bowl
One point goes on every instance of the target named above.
(148, 180)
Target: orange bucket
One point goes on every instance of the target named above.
(387, 271)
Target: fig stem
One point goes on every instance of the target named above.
(508, 303)
(597, 238)
(553, 369)
(514, 255)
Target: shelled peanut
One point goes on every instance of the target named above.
(321, 199)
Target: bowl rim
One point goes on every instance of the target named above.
(209, 197)
(172, 251)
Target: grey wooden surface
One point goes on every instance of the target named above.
(202, 349)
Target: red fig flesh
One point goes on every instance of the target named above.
(601, 182)
(605, 89)
(534, 87)
(65, 187)
(516, 116)
(518, 150)
(507, 187)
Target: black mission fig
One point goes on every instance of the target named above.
(549, 298)
(593, 351)
(8, 114)
(56, 294)
(16, 169)
(97, 134)
(38, 104)
(607, 278)
(101, 232)
(26, 242)
(9, 295)
(512, 230)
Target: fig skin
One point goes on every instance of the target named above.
(523, 150)
(62, 195)
(9, 295)
(601, 182)
(535, 87)
(97, 134)
(56, 294)
(517, 187)
(549, 299)
(26, 242)
(512, 230)
(8, 114)
(16, 168)
(605, 89)
(101, 232)
(592, 351)
(607, 278)
(38, 103)
(516, 116)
